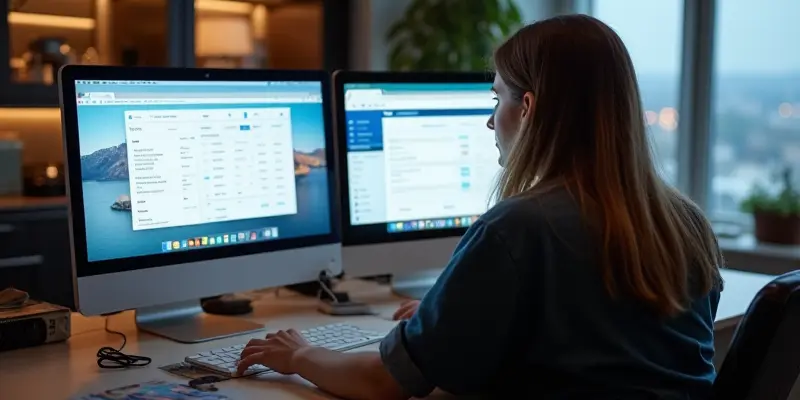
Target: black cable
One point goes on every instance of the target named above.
(111, 358)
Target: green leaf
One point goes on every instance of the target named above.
(396, 30)
(785, 202)
(453, 35)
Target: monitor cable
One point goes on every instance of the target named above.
(111, 358)
(338, 303)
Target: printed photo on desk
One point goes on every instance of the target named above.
(154, 390)
(235, 161)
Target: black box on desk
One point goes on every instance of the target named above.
(34, 324)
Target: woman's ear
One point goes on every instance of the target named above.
(528, 103)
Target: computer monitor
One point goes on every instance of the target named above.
(190, 183)
(418, 166)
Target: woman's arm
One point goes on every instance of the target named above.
(357, 376)
(458, 340)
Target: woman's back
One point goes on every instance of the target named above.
(523, 308)
(575, 339)
(591, 277)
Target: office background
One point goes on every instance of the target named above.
(720, 79)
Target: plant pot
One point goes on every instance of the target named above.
(777, 228)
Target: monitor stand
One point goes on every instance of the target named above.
(414, 286)
(186, 322)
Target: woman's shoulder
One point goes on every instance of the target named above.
(534, 205)
(532, 211)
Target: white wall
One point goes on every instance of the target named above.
(371, 20)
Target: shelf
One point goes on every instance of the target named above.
(29, 95)
(26, 203)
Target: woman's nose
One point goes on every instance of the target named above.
(490, 122)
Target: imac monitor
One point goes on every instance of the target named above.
(190, 183)
(418, 166)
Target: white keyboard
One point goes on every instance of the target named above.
(339, 337)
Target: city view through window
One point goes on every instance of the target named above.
(755, 120)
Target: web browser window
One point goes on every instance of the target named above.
(171, 166)
(419, 155)
(207, 165)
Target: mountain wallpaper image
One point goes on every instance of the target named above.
(111, 164)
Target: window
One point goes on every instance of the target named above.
(212, 165)
(755, 117)
(651, 30)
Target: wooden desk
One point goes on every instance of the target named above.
(64, 370)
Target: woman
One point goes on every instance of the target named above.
(591, 278)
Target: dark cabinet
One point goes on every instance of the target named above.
(35, 254)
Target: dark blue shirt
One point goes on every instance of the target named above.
(521, 310)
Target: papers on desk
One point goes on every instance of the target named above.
(156, 390)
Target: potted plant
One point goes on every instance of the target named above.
(450, 35)
(776, 216)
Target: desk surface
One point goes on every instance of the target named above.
(63, 370)
(740, 289)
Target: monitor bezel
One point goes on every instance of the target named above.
(83, 267)
(353, 235)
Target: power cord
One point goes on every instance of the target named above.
(111, 358)
(332, 302)
(326, 293)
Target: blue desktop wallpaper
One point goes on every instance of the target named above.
(104, 169)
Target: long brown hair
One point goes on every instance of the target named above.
(587, 130)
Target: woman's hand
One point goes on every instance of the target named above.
(406, 310)
(277, 352)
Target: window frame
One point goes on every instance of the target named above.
(696, 105)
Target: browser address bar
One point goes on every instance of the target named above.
(230, 100)
(428, 104)
(440, 95)
(211, 95)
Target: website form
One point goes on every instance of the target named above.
(209, 165)
(416, 155)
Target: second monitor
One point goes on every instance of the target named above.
(418, 168)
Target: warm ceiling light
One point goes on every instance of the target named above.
(51, 21)
(224, 6)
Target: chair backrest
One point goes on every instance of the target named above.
(763, 361)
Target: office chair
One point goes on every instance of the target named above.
(763, 361)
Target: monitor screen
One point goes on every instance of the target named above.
(175, 166)
(419, 155)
